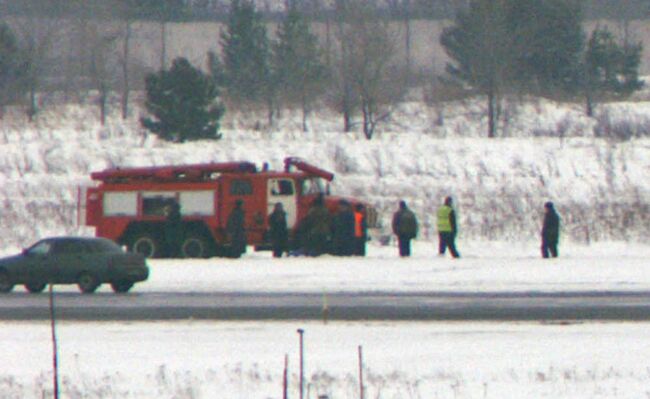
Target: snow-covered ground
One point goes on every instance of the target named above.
(548, 152)
(245, 360)
(484, 267)
(223, 359)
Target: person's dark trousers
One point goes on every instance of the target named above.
(348, 247)
(404, 245)
(549, 247)
(360, 246)
(447, 240)
(278, 249)
(318, 245)
(344, 248)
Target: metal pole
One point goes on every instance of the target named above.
(55, 357)
(285, 378)
(361, 393)
(301, 332)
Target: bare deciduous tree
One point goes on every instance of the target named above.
(402, 9)
(102, 67)
(95, 51)
(37, 33)
(369, 77)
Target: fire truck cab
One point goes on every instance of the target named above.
(129, 205)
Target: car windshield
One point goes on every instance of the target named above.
(40, 248)
(312, 185)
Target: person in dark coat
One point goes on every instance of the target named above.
(173, 230)
(405, 227)
(360, 231)
(278, 230)
(343, 230)
(317, 228)
(447, 228)
(236, 230)
(550, 231)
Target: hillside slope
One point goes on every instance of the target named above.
(599, 185)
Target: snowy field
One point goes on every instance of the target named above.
(245, 360)
(484, 267)
(547, 151)
(402, 360)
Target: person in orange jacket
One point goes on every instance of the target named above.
(360, 231)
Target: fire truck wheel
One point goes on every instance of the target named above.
(87, 283)
(195, 246)
(6, 284)
(146, 245)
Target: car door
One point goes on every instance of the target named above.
(68, 258)
(38, 264)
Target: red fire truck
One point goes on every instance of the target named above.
(128, 205)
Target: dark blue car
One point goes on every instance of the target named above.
(87, 262)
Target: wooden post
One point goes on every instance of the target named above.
(361, 391)
(285, 378)
(302, 362)
(55, 357)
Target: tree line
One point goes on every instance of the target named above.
(217, 10)
(538, 47)
(496, 48)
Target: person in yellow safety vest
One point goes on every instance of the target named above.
(360, 231)
(447, 228)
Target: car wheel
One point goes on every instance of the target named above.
(35, 288)
(145, 245)
(121, 286)
(194, 246)
(87, 283)
(6, 285)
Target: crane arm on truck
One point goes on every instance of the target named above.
(173, 173)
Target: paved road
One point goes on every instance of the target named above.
(344, 306)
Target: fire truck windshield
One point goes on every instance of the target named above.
(312, 185)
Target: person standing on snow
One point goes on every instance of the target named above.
(550, 231)
(278, 230)
(405, 227)
(173, 230)
(447, 229)
(317, 228)
(343, 230)
(236, 230)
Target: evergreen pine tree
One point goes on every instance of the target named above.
(299, 70)
(481, 49)
(611, 70)
(246, 54)
(183, 102)
(547, 43)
